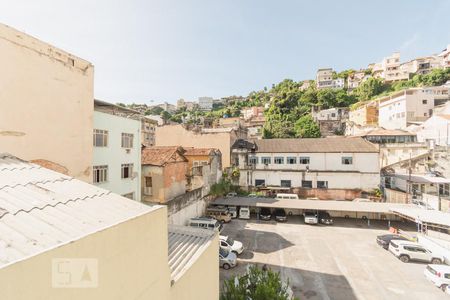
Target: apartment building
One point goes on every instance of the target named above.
(321, 163)
(365, 115)
(205, 103)
(424, 65)
(148, 129)
(250, 112)
(392, 68)
(46, 99)
(324, 79)
(355, 79)
(164, 172)
(79, 241)
(445, 56)
(406, 107)
(436, 129)
(117, 149)
(218, 138)
(331, 121)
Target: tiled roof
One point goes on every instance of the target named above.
(41, 209)
(186, 244)
(191, 151)
(314, 145)
(161, 155)
(387, 132)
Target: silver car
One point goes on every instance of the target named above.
(227, 259)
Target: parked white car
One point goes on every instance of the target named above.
(229, 243)
(439, 275)
(310, 217)
(244, 212)
(406, 251)
(227, 259)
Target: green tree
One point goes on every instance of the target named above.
(305, 127)
(165, 115)
(256, 284)
(154, 111)
(369, 88)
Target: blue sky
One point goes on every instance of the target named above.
(166, 50)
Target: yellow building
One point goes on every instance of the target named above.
(365, 115)
(46, 99)
(61, 238)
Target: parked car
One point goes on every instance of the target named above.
(406, 251)
(385, 239)
(265, 214)
(206, 223)
(233, 211)
(310, 217)
(231, 194)
(227, 259)
(252, 195)
(280, 215)
(325, 218)
(287, 196)
(439, 275)
(229, 243)
(219, 213)
(244, 212)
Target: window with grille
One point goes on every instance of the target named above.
(127, 170)
(266, 160)
(148, 182)
(100, 174)
(306, 184)
(322, 184)
(100, 138)
(346, 160)
(285, 183)
(127, 140)
(253, 160)
(279, 160)
(304, 160)
(291, 160)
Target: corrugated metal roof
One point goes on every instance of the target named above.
(186, 244)
(41, 209)
(314, 145)
(432, 217)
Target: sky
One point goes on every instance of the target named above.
(155, 51)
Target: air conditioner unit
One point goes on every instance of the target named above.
(148, 191)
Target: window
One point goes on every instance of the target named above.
(424, 101)
(127, 170)
(425, 114)
(253, 160)
(279, 160)
(347, 160)
(304, 160)
(285, 183)
(100, 174)
(129, 195)
(322, 184)
(444, 189)
(307, 184)
(291, 160)
(333, 115)
(260, 182)
(100, 138)
(148, 182)
(266, 160)
(127, 140)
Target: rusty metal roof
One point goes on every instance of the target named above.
(41, 209)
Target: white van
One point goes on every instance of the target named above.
(232, 210)
(287, 196)
(244, 212)
(206, 223)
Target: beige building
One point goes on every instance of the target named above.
(47, 104)
(78, 241)
(148, 131)
(164, 171)
(205, 165)
(445, 55)
(365, 115)
(219, 138)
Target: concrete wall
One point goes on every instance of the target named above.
(176, 135)
(132, 264)
(189, 205)
(328, 194)
(187, 287)
(46, 97)
(393, 196)
(114, 155)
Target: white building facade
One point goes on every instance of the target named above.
(404, 108)
(117, 154)
(324, 163)
(437, 129)
(205, 103)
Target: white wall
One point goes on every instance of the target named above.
(114, 155)
(435, 128)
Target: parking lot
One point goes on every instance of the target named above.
(342, 261)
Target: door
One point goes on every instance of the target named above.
(423, 254)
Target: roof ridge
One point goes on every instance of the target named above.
(36, 182)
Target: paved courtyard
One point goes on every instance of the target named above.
(342, 261)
